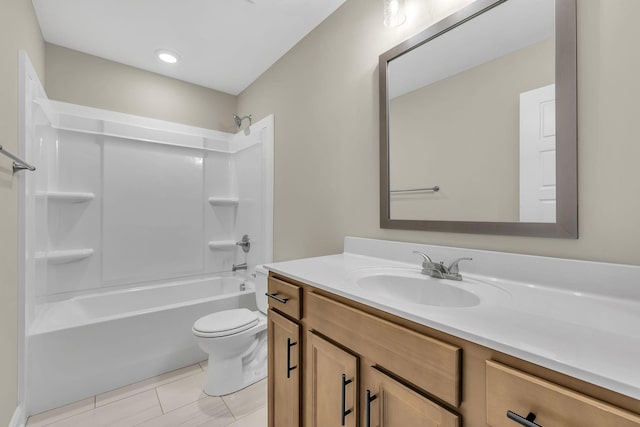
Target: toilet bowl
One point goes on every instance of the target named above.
(236, 342)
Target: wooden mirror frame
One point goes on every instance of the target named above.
(566, 225)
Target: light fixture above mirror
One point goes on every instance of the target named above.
(394, 13)
(482, 106)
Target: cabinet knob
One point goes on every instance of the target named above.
(525, 421)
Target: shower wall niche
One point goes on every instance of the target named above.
(125, 201)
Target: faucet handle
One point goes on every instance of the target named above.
(423, 255)
(245, 243)
(453, 267)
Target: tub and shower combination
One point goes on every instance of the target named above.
(130, 235)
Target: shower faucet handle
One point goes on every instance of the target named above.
(245, 243)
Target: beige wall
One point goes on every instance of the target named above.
(324, 96)
(18, 30)
(461, 133)
(84, 79)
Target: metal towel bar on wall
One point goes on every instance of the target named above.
(417, 190)
(18, 163)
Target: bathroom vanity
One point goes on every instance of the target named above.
(353, 341)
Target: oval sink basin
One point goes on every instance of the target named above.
(413, 287)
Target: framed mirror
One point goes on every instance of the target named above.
(478, 123)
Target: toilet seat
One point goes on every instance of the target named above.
(225, 323)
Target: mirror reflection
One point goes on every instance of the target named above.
(471, 120)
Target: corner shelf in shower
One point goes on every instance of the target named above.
(223, 201)
(68, 196)
(222, 244)
(65, 256)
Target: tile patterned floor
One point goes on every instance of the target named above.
(174, 399)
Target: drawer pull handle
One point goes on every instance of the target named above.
(525, 421)
(367, 414)
(344, 412)
(277, 298)
(289, 367)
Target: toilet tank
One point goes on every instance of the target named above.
(261, 288)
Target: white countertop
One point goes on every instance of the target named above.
(587, 325)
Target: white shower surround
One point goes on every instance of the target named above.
(132, 200)
(124, 209)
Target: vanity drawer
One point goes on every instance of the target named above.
(285, 297)
(512, 390)
(425, 362)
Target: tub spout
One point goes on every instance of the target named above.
(237, 267)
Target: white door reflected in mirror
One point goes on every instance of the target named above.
(538, 155)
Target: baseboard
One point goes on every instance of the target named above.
(18, 419)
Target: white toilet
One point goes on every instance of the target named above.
(236, 342)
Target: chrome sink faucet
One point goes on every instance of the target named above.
(439, 270)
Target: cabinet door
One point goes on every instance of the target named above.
(331, 375)
(284, 371)
(388, 403)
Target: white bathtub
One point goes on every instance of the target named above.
(91, 344)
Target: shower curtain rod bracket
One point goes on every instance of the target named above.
(18, 163)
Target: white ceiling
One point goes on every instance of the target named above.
(223, 44)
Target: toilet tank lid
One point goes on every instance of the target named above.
(261, 270)
(227, 321)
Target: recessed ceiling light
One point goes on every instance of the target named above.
(167, 56)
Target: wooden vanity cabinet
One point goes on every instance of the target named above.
(285, 297)
(396, 373)
(389, 403)
(520, 394)
(430, 364)
(375, 344)
(332, 381)
(284, 335)
(284, 371)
